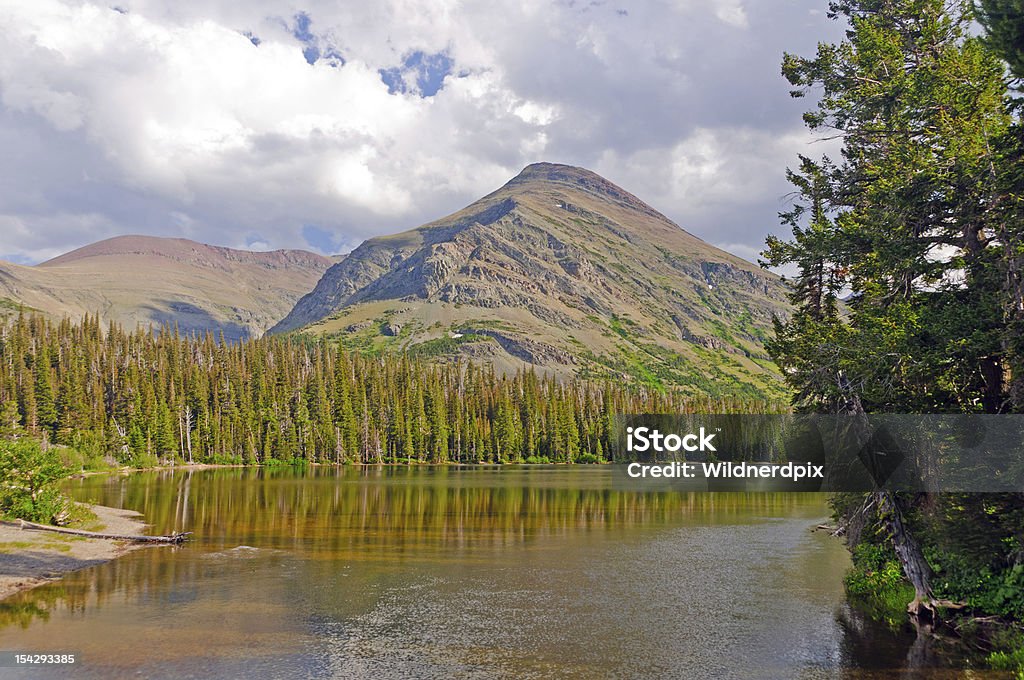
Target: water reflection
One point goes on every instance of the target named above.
(418, 511)
(877, 650)
(470, 572)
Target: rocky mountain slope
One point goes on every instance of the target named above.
(146, 280)
(564, 271)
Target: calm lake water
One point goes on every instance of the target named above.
(458, 572)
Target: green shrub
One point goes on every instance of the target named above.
(28, 480)
(143, 460)
(875, 568)
(982, 587)
(1008, 652)
(226, 459)
(86, 451)
(876, 584)
(1008, 661)
(293, 462)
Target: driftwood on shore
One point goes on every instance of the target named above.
(832, 531)
(174, 538)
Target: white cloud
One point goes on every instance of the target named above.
(168, 119)
(47, 237)
(721, 182)
(732, 14)
(744, 250)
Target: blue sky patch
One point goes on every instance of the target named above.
(311, 54)
(301, 30)
(318, 238)
(315, 48)
(426, 71)
(19, 258)
(392, 77)
(311, 51)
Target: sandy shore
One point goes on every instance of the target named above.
(31, 558)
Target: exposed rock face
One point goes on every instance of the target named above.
(161, 281)
(564, 271)
(525, 349)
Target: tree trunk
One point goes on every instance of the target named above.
(188, 433)
(908, 550)
(137, 538)
(915, 567)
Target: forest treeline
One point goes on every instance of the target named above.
(142, 398)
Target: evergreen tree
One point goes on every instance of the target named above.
(920, 222)
(1004, 27)
(918, 103)
(46, 408)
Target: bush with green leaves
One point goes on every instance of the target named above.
(877, 586)
(983, 588)
(28, 482)
(876, 569)
(1008, 654)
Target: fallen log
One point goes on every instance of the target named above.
(175, 538)
(832, 531)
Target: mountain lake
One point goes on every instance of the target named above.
(529, 571)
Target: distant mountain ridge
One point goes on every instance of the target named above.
(563, 271)
(187, 251)
(165, 281)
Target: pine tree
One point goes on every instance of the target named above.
(1004, 27)
(914, 223)
(918, 103)
(10, 419)
(46, 408)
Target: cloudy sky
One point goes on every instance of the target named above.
(275, 124)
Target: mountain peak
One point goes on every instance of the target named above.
(545, 176)
(564, 174)
(562, 270)
(553, 171)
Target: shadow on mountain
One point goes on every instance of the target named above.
(194, 320)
